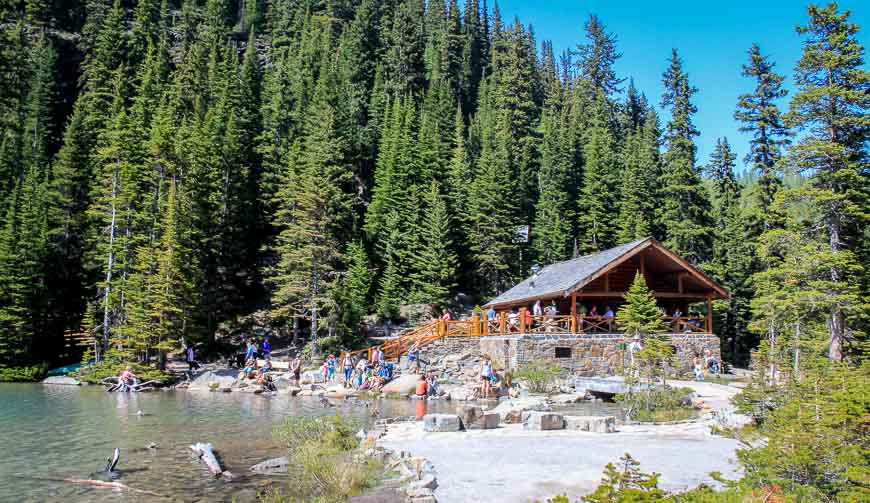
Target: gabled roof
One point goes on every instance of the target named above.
(561, 278)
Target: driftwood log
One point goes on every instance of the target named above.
(205, 453)
(117, 486)
(114, 385)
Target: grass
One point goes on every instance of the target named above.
(325, 463)
(658, 405)
(23, 374)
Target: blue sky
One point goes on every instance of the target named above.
(712, 38)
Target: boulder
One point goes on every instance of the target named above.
(473, 417)
(564, 398)
(596, 424)
(441, 422)
(64, 380)
(310, 377)
(542, 421)
(402, 385)
(282, 382)
(511, 411)
(274, 465)
(426, 481)
(340, 392)
(214, 379)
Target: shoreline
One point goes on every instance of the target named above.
(522, 466)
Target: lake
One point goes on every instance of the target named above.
(68, 432)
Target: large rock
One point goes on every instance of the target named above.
(441, 422)
(65, 380)
(564, 398)
(402, 385)
(597, 424)
(542, 421)
(473, 417)
(340, 392)
(511, 411)
(282, 382)
(274, 465)
(214, 379)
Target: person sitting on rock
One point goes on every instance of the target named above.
(432, 384)
(250, 369)
(127, 377)
(422, 388)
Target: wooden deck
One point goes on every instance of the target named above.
(505, 325)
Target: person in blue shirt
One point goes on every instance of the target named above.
(251, 352)
(266, 348)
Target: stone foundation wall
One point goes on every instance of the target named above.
(590, 354)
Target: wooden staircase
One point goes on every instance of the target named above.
(393, 349)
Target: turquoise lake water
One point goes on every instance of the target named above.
(68, 431)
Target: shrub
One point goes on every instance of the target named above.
(322, 452)
(97, 372)
(658, 404)
(541, 375)
(23, 374)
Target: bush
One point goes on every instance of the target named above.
(541, 375)
(23, 374)
(97, 372)
(323, 466)
(658, 404)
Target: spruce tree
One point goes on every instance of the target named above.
(596, 209)
(640, 314)
(435, 264)
(760, 116)
(596, 58)
(685, 205)
(641, 169)
(831, 107)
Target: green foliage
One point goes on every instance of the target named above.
(640, 314)
(624, 483)
(322, 464)
(23, 374)
(541, 375)
(658, 404)
(97, 372)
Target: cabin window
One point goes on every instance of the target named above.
(563, 352)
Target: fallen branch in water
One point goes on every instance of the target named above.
(205, 453)
(102, 485)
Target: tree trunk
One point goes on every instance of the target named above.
(110, 264)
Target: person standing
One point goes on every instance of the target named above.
(536, 309)
(296, 368)
(330, 367)
(348, 369)
(190, 357)
(486, 377)
(266, 348)
(413, 355)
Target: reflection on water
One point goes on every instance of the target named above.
(68, 431)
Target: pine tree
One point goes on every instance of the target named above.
(597, 57)
(733, 258)
(641, 169)
(760, 116)
(310, 220)
(640, 314)
(435, 265)
(596, 208)
(831, 105)
(685, 210)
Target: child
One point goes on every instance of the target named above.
(324, 370)
(330, 368)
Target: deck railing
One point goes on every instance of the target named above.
(505, 325)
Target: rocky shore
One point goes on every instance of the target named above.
(544, 453)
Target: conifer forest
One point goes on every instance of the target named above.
(167, 166)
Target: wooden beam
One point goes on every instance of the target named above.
(607, 281)
(661, 295)
(709, 314)
(574, 312)
(615, 263)
(680, 276)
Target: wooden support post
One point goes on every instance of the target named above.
(573, 312)
(607, 282)
(523, 320)
(486, 324)
(680, 276)
(501, 322)
(709, 315)
(475, 325)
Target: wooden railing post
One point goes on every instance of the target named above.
(523, 320)
(474, 328)
(573, 312)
